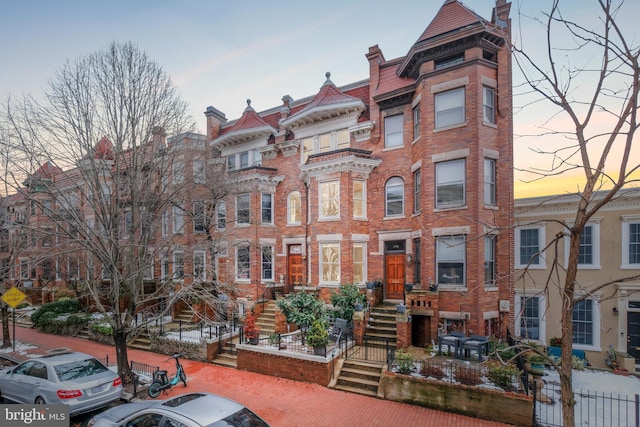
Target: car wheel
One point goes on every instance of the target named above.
(40, 401)
(155, 389)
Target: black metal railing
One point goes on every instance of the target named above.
(373, 350)
(597, 409)
(142, 368)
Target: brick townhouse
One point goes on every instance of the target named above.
(405, 177)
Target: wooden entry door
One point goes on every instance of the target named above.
(295, 266)
(394, 276)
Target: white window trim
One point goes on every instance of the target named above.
(204, 266)
(393, 147)
(436, 126)
(626, 221)
(238, 223)
(463, 284)
(364, 200)
(272, 208)
(331, 283)
(461, 205)
(541, 310)
(178, 219)
(289, 208)
(273, 264)
(596, 328)
(595, 225)
(243, 279)
(174, 264)
(541, 244)
(364, 260)
(322, 217)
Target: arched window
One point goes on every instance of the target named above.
(293, 208)
(394, 196)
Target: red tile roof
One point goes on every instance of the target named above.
(451, 16)
(249, 120)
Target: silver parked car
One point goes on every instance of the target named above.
(187, 410)
(72, 378)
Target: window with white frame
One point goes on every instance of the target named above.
(147, 273)
(164, 266)
(586, 324)
(417, 187)
(330, 263)
(199, 217)
(178, 265)
(488, 105)
(165, 223)
(329, 200)
(325, 142)
(244, 160)
(359, 199)
(529, 242)
(198, 172)
(359, 263)
(589, 253)
(394, 196)
(489, 182)
(490, 260)
(416, 122)
(267, 263)
(178, 219)
(450, 108)
(393, 131)
(450, 184)
(24, 269)
(267, 208)
(243, 265)
(529, 311)
(199, 270)
(242, 208)
(177, 172)
(631, 242)
(294, 206)
(451, 256)
(221, 214)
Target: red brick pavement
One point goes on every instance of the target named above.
(281, 402)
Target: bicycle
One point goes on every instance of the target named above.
(161, 381)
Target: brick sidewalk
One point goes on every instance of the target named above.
(281, 402)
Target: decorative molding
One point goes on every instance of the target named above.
(289, 148)
(362, 131)
(341, 164)
(269, 152)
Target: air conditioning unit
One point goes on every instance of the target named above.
(504, 306)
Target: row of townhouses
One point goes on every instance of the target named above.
(403, 177)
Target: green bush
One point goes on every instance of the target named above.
(503, 375)
(345, 300)
(404, 361)
(102, 328)
(302, 309)
(501, 348)
(52, 310)
(22, 305)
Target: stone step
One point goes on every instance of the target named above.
(362, 366)
(228, 360)
(360, 374)
(360, 383)
(356, 390)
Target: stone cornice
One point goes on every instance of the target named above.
(350, 163)
(362, 131)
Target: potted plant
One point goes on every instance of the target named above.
(535, 364)
(251, 330)
(318, 337)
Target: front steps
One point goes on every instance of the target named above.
(267, 319)
(359, 377)
(228, 357)
(142, 341)
(382, 324)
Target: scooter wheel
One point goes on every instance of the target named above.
(154, 389)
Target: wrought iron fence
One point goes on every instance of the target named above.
(142, 368)
(373, 350)
(595, 409)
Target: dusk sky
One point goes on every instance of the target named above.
(221, 53)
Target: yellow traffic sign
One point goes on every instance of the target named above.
(13, 297)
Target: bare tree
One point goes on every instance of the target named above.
(98, 169)
(585, 76)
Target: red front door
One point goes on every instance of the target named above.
(394, 276)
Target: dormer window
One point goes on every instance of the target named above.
(324, 143)
(243, 160)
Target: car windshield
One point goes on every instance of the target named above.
(79, 369)
(242, 418)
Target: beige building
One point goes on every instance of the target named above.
(610, 252)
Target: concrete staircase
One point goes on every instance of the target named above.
(382, 324)
(142, 341)
(185, 316)
(359, 377)
(267, 320)
(83, 333)
(228, 357)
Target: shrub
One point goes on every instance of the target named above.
(41, 319)
(302, 309)
(468, 376)
(577, 363)
(345, 300)
(432, 370)
(102, 328)
(404, 361)
(251, 330)
(555, 342)
(22, 305)
(503, 375)
(61, 306)
(500, 347)
(317, 335)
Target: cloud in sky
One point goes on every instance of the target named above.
(221, 53)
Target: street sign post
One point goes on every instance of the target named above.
(12, 298)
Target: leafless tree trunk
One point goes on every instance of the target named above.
(96, 147)
(586, 76)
